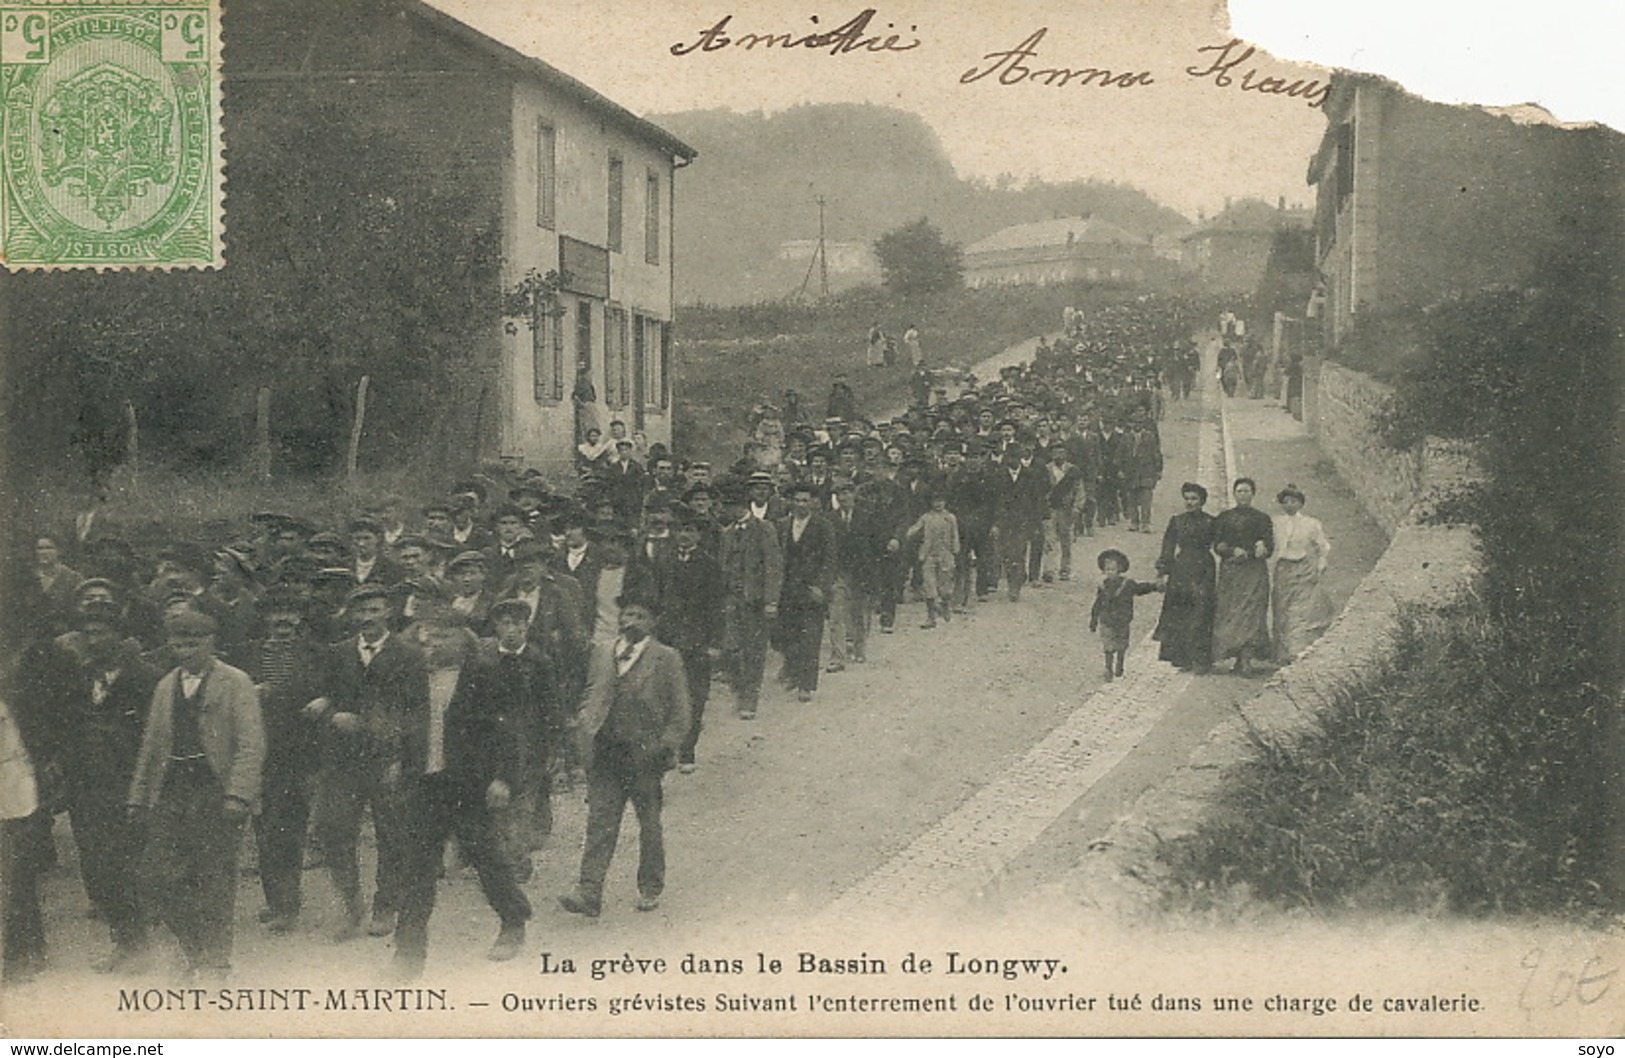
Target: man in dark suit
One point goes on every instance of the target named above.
(752, 576)
(701, 499)
(502, 722)
(558, 629)
(1018, 515)
(368, 562)
(89, 692)
(808, 543)
(889, 501)
(688, 597)
(1141, 459)
(634, 718)
(653, 546)
(1083, 452)
(501, 555)
(373, 713)
(583, 560)
(286, 667)
(861, 539)
(971, 498)
(626, 482)
(557, 612)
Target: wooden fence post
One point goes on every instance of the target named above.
(355, 429)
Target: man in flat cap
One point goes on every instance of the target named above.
(368, 562)
(467, 589)
(501, 721)
(84, 698)
(285, 666)
(196, 779)
(372, 713)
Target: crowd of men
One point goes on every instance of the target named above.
(439, 666)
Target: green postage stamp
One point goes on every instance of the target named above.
(111, 124)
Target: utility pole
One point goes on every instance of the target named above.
(823, 256)
(820, 258)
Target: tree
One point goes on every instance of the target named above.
(916, 259)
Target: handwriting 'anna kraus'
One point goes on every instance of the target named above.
(1010, 68)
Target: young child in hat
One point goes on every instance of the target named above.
(1113, 611)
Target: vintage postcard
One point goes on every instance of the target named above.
(797, 520)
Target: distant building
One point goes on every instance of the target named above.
(845, 258)
(1063, 250)
(1415, 200)
(1231, 252)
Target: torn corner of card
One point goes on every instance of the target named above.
(111, 123)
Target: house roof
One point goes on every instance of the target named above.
(551, 76)
(1062, 231)
(1251, 215)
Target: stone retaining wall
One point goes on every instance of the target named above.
(1390, 483)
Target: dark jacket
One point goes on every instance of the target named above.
(808, 563)
(558, 628)
(587, 574)
(1020, 501)
(689, 597)
(504, 714)
(391, 696)
(1114, 602)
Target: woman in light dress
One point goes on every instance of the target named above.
(1299, 607)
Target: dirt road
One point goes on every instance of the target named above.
(957, 769)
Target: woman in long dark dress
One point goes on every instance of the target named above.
(1244, 539)
(1186, 572)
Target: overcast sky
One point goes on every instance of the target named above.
(1185, 140)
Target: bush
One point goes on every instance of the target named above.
(1433, 784)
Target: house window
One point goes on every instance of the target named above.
(617, 192)
(547, 355)
(547, 174)
(651, 218)
(656, 355)
(584, 336)
(637, 373)
(665, 366)
(615, 383)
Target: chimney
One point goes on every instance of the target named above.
(1280, 204)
